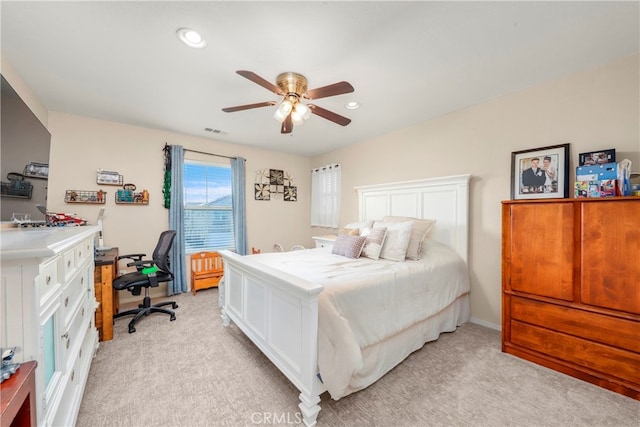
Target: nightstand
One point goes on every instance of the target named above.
(325, 241)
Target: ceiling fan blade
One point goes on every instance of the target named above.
(260, 81)
(248, 106)
(329, 115)
(330, 90)
(287, 124)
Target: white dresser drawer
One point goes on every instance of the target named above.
(84, 252)
(74, 334)
(74, 292)
(67, 265)
(47, 281)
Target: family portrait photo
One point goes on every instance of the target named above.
(540, 173)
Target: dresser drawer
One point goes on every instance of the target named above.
(67, 265)
(84, 252)
(47, 281)
(74, 334)
(594, 356)
(592, 326)
(76, 378)
(74, 292)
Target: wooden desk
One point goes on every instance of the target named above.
(106, 269)
(18, 397)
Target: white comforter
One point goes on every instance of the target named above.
(365, 302)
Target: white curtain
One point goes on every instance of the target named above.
(325, 196)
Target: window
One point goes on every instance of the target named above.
(325, 196)
(208, 216)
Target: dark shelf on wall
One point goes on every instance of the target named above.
(17, 189)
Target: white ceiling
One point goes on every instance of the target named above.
(408, 61)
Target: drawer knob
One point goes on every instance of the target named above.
(69, 263)
(48, 280)
(66, 301)
(80, 354)
(82, 280)
(73, 374)
(68, 343)
(82, 314)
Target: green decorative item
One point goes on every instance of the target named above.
(150, 270)
(166, 189)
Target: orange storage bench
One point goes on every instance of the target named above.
(206, 270)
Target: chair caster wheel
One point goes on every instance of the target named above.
(131, 329)
(173, 317)
(174, 305)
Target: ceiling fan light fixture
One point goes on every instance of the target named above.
(191, 38)
(283, 110)
(297, 118)
(352, 105)
(303, 111)
(278, 115)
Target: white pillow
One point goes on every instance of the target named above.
(373, 245)
(397, 239)
(421, 228)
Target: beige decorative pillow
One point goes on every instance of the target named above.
(349, 246)
(373, 245)
(350, 231)
(396, 240)
(361, 226)
(420, 230)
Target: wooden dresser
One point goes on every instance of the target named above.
(106, 270)
(571, 287)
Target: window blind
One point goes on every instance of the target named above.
(325, 196)
(208, 215)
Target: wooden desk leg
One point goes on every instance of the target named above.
(107, 297)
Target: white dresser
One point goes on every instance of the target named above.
(47, 307)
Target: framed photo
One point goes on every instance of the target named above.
(597, 157)
(540, 173)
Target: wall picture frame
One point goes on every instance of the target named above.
(597, 157)
(540, 173)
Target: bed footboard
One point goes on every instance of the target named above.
(279, 313)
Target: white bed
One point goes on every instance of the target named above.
(320, 321)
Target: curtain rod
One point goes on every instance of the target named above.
(211, 154)
(204, 152)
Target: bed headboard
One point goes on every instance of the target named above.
(445, 199)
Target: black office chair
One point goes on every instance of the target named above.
(149, 274)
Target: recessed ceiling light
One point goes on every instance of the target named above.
(191, 38)
(353, 105)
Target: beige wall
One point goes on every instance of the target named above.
(80, 146)
(596, 109)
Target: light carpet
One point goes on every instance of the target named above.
(195, 372)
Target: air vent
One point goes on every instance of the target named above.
(213, 130)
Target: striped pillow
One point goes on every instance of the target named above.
(375, 240)
(349, 246)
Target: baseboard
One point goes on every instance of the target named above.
(485, 323)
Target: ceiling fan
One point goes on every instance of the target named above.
(293, 88)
